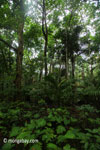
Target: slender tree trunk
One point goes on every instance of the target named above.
(45, 57)
(19, 59)
(10, 66)
(66, 63)
(53, 67)
(66, 55)
(50, 68)
(59, 69)
(91, 67)
(20, 49)
(73, 66)
(45, 33)
(40, 75)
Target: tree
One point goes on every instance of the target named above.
(45, 33)
(20, 48)
(16, 13)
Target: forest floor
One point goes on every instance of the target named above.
(63, 128)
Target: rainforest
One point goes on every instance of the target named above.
(49, 75)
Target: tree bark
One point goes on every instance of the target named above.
(50, 68)
(45, 33)
(66, 63)
(73, 66)
(20, 49)
(59, 69)
(41, 72)
(91, 67)
(66, 56)
(45, 57)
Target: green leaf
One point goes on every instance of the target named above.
(81, 135)
(45, 138)
(36, 116)
(38, 132)
(97, 138)
(51, 117)
(31, 126)
(1, 115)
(36, 147)
(51, 146)
(15, 131)
(70, 135)
(59, 119)
(8, 146)
(40, 123)
(24, 135)
(49, 124)
(60, 129)
(96, 131)
(60, 139)
(49, 135)
(67, 147)
(66, 121)
(86, 146)
(73, 120)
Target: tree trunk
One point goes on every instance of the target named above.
(40, 75)
(45, 33)
(53, 67)
(45, 57)
(50, 68)
(10, 63)
(91, 67)
(59, 69)
(66, 55)
(19, 59)
(20, 49)
(73, 66)
(66, 63)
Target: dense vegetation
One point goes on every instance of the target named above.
(49, 75)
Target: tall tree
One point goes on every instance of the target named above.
(45, 33)
(16, 14)
(20, 48)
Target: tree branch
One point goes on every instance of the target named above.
(6, 43)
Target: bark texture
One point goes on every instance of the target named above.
(45, 33)
(73, 66)
(20, 49)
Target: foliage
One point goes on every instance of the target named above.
(50, 75)
(53, 128)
